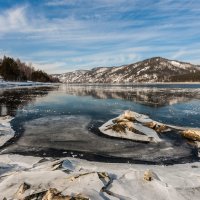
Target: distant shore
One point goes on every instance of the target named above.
(135, 84)
(14, 84)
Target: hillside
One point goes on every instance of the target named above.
(155, 69)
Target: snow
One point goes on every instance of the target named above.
(144, 69)
(181, 65)
(101, 69)
(71, 76)
(151, 132)
(175, 63)
(6, 132)
(114, 69)
(9, 84)
(128, 135)
(98, 181)
(148, 133)
(132, 73)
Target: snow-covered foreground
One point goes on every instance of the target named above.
(25, 177)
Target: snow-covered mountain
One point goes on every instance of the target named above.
(70, 77)
(155, 69)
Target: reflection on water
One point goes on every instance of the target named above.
(11, 100)
(152, 96)
(66, 120)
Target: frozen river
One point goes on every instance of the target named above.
(64, 121)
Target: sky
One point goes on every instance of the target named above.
(58, 36)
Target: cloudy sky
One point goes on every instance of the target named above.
(63, 35)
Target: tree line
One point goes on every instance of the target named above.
(15, 70)
(190, 77)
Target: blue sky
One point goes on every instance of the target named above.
(64, 35)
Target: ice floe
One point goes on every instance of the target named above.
(139, 127)
(6, 131)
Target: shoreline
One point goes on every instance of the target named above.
(93, 157)
(134, 84)
(17, 85)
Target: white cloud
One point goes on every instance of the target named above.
(95, 34)
(50, 67)
(13, 20)
(179, 54)
(59, 2)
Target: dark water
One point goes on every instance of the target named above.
(64, 121)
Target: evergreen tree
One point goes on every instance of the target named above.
(9, 70)
(15, 70)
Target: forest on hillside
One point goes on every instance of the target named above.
(16, 70)
(190, 77)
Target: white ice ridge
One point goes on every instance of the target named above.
(26, 177)
(6, 131)
(138, 127)
(133, 123)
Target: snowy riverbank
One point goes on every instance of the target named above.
(10, 84)
(25, 177)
